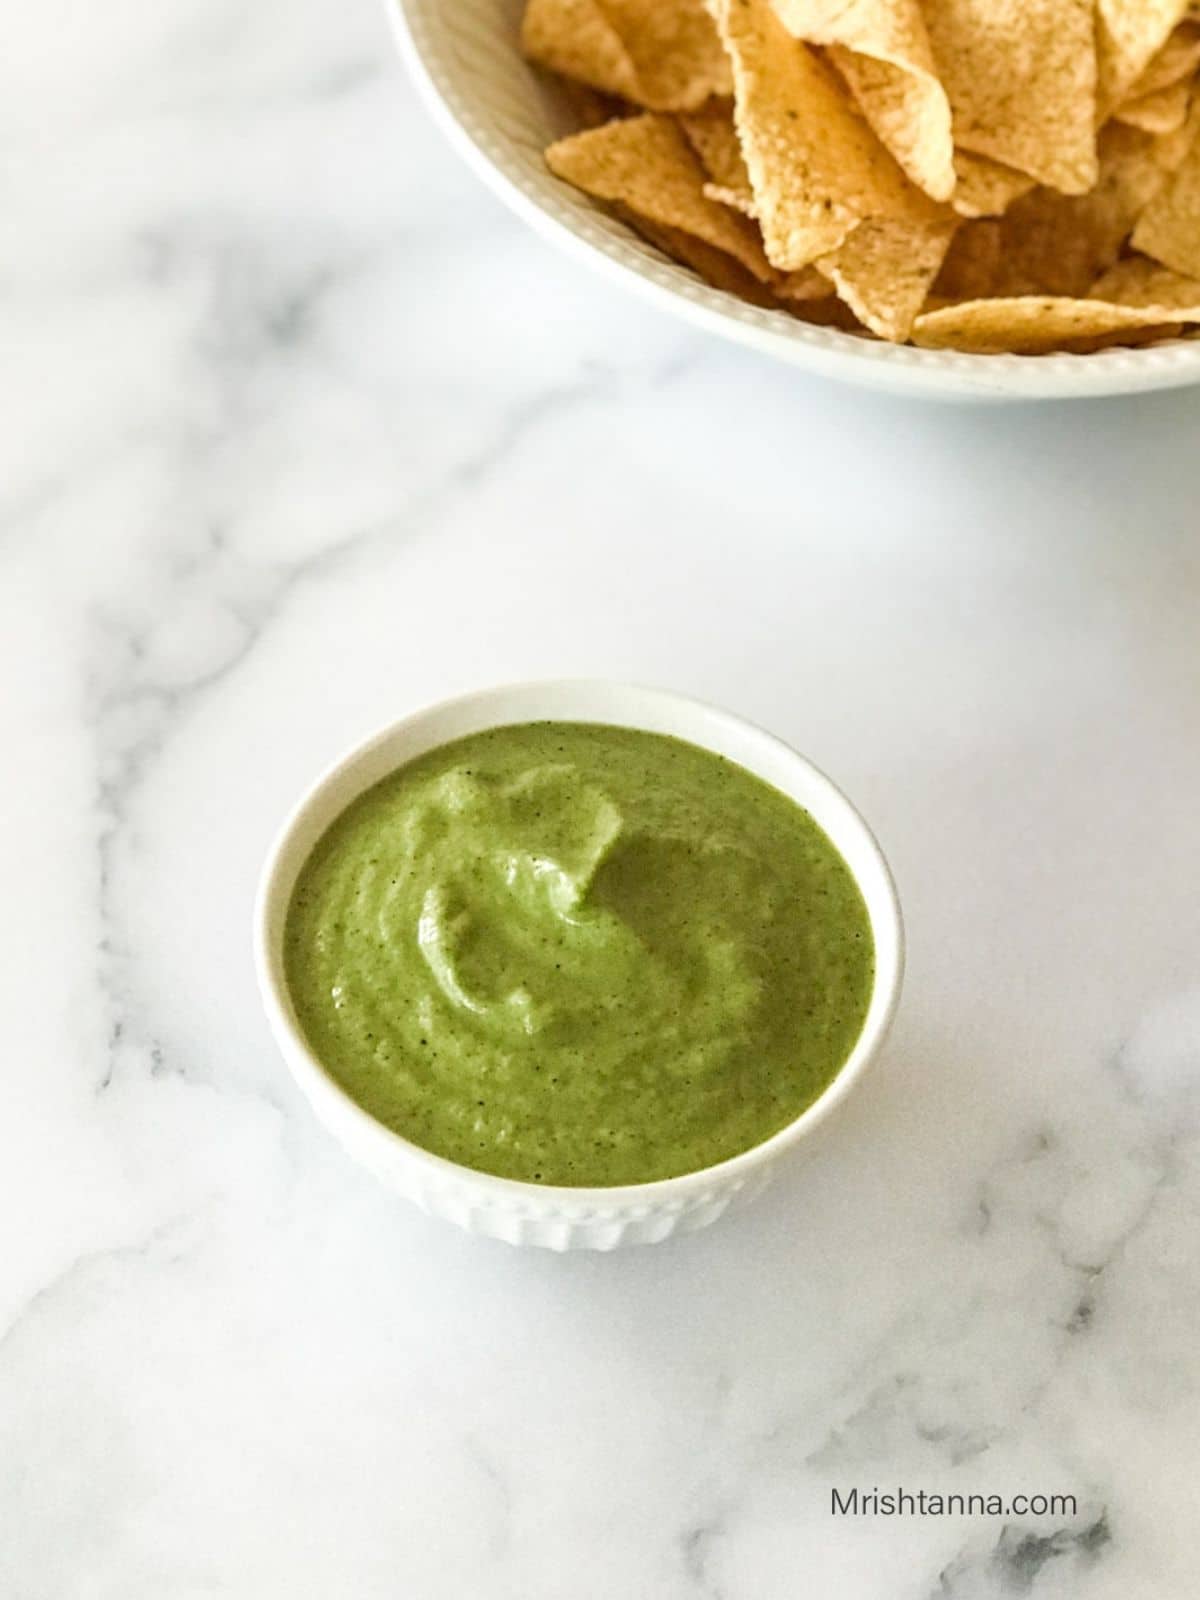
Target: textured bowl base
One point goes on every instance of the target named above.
(555, 1226)
(500, 114)
(598, 1229)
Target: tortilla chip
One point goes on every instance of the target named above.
(882, 50)
(799, 154)
(1160, 112)
(1138, 281)
(1169, 228)
(1053, 244)
(1129, 35)
(974, 263)
(716, 267)
(591, 108)
(788, 289)
(645, 164)
(807, 284)
(985, 188)
(1021, 77)
(740, 199)
(815, 167)
(910, 115)
(1170, 149)
(1177, 59)
(1036, 324)
(714, 138)
(576, 39)
(885, 269)
(675, 48)
(830, 312)
(661, 54)
(712, 135)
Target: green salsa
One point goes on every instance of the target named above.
(577, 954)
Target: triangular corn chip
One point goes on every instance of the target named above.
(807, 284)
(882, 50)
(1021, 77)
(985, 188)
(1169, 228)
(1129, 35)
(716, 267)
(575, 38)
(884, 271)
(741, 198)
(1054, 244)
(1170, 149)
(1033, 325)
(591, 108)
(1138, 281)
(675, 48)
(645, 164)
(1177, 59)
(815, 166)
(982, 175)
(713, 136)
(661, 54)
(1160, 112)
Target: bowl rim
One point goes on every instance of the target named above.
(591, 235)
(278, 876)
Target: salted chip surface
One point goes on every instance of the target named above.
(1129, 35)
(1177, 59)
(1021, 78)
(807, 284)
(661, 54)
(1137, 281)
(646, 164)
(590, 107)
(1049, 243)
(1170, 149)
(722, 271)
(576, 39)
(815, 166)
(884, 271)
(1037, 324)
(716, 267)
(1160, 112)
(675, 49)
(712, 135)
(881, 48)
(740, 198)
(986, 188)
(1169, 228)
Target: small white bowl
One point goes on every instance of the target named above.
(500, 115)
(531, 1213)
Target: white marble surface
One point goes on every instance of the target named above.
(301, 430)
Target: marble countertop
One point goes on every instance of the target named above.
(302, 430)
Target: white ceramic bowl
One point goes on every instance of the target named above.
(529, 1213)
(500, 114)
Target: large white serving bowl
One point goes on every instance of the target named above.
(500, 114)
(533, 1213)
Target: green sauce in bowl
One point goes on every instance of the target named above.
(577, 954)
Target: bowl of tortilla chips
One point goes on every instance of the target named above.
(961, 198)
